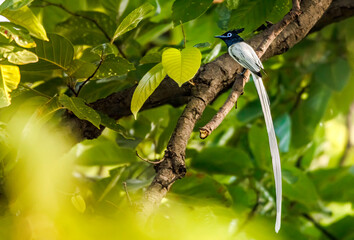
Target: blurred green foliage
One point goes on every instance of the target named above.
(52, 188)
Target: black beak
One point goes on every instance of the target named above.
(220, 36)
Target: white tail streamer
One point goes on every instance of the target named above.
(274, 150)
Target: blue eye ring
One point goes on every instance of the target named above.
(229, 34)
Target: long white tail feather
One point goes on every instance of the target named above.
(274, 150)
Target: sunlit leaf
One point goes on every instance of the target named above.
(14, 4)
(25, 18)
(79, 203)
(19, 35)
(80, 109)
(185, 10)
(181, 66)
(146, 87)
(132, 20)
(10, 78)
(56, 53)
(17, 55)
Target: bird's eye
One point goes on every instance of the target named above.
(229, 34)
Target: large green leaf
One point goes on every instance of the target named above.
(17, 55)
(250, 14)
(80, 109)
(146, 87)
(335, 75)
(297, 186)
(102, 152)
(222, 160)
(10, 78)
(186, 10)
(14, 4)
(25, 18)
(14, 32)
(133, 19)
(57, 53)
(92, 29)
(181, 66)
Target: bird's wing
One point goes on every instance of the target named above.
(274, 150)
(245, 56)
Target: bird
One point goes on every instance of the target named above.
(245, 55)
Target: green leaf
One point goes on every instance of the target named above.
(10, 78)
(92, 29)
(181, 66)
(154, 57)
(25, 18)
(132, 20)
(213, 53)
(17, 55)
(335, 75)
(79, 203)
(57, 53)
(199, 187)
(14, 32)
(80, 109)
(333, 184)
(79, 69)
(114, 66)
(112, 124)
(250, 111)
(232, 4)
(258, 142)
(297, 186)
(105, 49)
(14, 4)
(202, 45)
(185, 10)
(102, 152)
(283, 130)
(309, 113)
(281, 8)
(147, 85)
(250, 14)
(222, 160)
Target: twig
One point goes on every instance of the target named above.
(238, 86)
(127, 193)
(149, 161)
(92, 75)
(319, 227)
(236, 92)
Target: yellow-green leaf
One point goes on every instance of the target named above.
(133, 19)
(79, 203)
(146, 87)
(14, 32)
(25, 18)
(9, 80)
(181, 66)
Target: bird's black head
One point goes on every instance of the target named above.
(231, 37)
